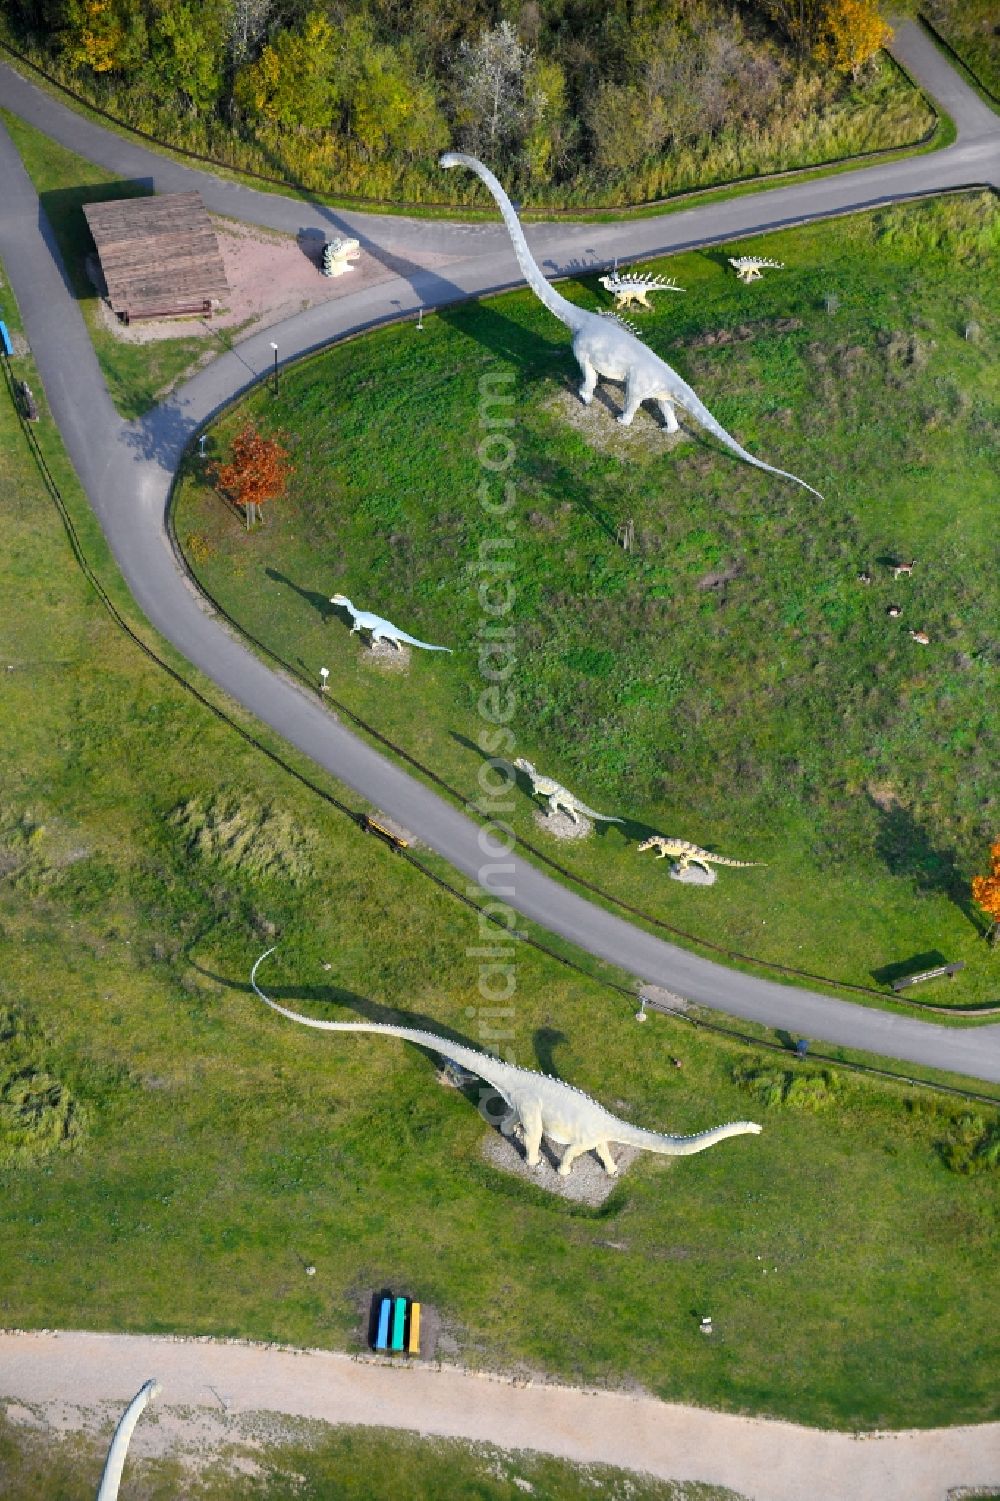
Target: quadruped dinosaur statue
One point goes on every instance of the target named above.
(604, 347)
(381, 630)
(686, 853)
(538, 1104)
(629, 286)
(560, 796)
(749, 267)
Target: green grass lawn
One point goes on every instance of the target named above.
(313, 1462)
(138, 375)
(172, 1154)
(779, 716)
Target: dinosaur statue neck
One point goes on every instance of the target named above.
(565, 311)
(492, 1070)
(683, 1146)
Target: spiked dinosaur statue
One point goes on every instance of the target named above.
(381, 630)
(687, 854)
(603, 346)
(628, 287)
(748, 268)
(540, 1105)
(560, 796)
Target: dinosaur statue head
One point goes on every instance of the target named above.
(339, 599)
(524, 765)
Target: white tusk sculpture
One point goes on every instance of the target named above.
(604, 346)
(540, 1105)
(115, 1462)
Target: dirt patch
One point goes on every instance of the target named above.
(271, 276)
(598, 425)
(744, 331)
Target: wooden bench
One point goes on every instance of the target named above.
(951, 970)
(372, 826)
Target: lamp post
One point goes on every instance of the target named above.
(201, 445)
(275, 376)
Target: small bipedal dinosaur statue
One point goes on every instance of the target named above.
(687, 854)
(604, 347)
(628, 287)
(538, 1104)
(381, 630)
(749, 267)
(560, 796)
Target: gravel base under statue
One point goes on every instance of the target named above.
(386, 657)
(561, 826)
(693, 875)
(588, 1183)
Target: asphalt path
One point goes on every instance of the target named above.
(126, 470)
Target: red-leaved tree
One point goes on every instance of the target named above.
(257, 472)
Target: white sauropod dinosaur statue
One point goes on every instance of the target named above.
(111, 1479)
(540, 1105)
(604, 346)
(381, 630)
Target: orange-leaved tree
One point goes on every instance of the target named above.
(257, 472)
(986, 893)
(852, 31)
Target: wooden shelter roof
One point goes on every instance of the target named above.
(159, 254)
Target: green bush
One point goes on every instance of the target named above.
(798, 1090)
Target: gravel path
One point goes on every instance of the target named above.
(126, 470)
(765, 1461)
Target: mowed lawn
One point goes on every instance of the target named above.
(728, 680)
(172, 1154)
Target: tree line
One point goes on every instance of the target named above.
(553, 93)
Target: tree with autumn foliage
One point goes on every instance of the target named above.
(257, 472)
(852, 31)
(986, 894)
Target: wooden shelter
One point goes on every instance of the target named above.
(159, 255)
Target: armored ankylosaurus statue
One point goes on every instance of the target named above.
(540, 1105)
(749, 267)
(603, 347)
(628, 287)
(381, 630)
(687, 854)
(560, 796)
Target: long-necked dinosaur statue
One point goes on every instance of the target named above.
(604, 346)
(540, 1105)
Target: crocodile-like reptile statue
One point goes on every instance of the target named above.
(604, 347)
(560, 796)
(630, 286)
(381, 630)
(749, 267)
(539, 1104)
(685, 853)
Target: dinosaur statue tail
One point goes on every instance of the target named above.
(598, 817)
(469, 1059)
(543, 289)
(684, 1146)
(698, 409)
(736, 864)
(424, 645)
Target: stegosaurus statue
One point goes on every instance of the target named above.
(749, 267)
(630, 287)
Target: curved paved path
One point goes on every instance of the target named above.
(761, 1459)
(126, 471)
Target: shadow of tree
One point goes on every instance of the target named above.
(908, 850)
